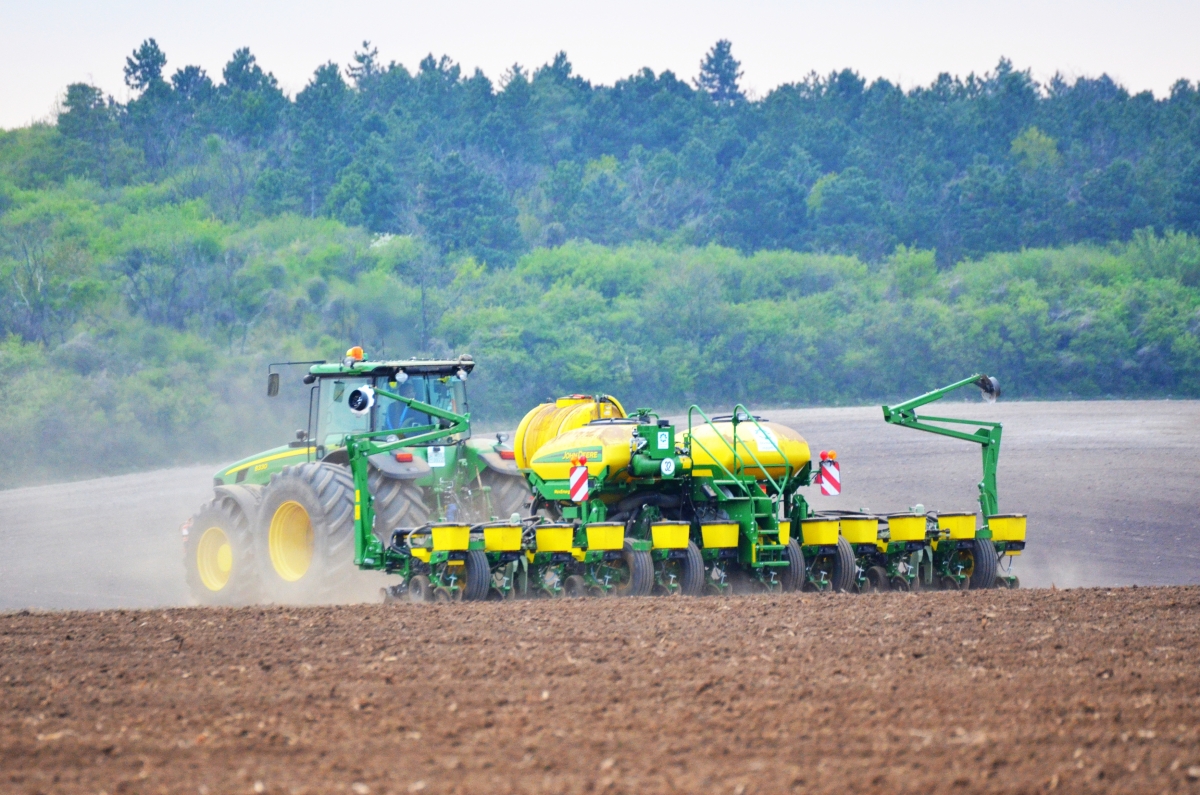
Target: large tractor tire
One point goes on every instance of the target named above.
(844, 567)
(639, 578)
(219, 555)
(305, 538)
(398, 504)
(986, 563)
(793, 577)
(509, 493)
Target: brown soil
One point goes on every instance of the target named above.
(1081, 690)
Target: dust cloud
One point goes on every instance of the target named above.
(1109, 486)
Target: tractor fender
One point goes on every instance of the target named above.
(246, 497)
(400, 470)
(498, 464)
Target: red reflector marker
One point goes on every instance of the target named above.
(404, 458)
(507, 455)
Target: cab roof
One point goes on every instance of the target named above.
(389, 368)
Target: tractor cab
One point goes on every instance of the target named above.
(349, 397)
(438, 383)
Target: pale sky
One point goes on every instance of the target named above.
(45, 45)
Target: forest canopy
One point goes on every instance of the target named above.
(833, 242)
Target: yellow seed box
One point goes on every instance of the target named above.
(906, 526)
(606, 535)
(451, 537)
(959, 525)
(670, 535)
(503, 538)
(555, 538)
(860, 529)
(819, 532)
(1007, 527)
(719, 535)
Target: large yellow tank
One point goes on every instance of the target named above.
(712, 444)
(604, 445)
(550, 420)
(554, 436)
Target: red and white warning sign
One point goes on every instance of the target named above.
(830, 477)
(579, 481)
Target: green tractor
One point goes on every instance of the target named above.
(387, 446)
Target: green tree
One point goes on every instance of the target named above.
(144, 68)
(720, 73)
(249, 105)
(90, 124)
(462, 209)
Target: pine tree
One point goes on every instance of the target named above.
(719, 74)
(144, 67)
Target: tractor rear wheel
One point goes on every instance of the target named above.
(219, 555)
(638, 574)
(844, 567)
(986, 563)
(397, 503)
(306, 533)
(509, 493)
(793, 578)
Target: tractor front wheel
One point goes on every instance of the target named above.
(219, 555)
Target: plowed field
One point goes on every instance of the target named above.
(1028, 691)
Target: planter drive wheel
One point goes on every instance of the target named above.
(877, 580)
(639, 568)
(688, 571)
(844, 567)
(419, 589)
(793, 577)
(986, 563)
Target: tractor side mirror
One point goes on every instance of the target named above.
(272, 384)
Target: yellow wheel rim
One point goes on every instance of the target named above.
(214, 559)
(291, 541)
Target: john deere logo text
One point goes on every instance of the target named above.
(571, 456)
